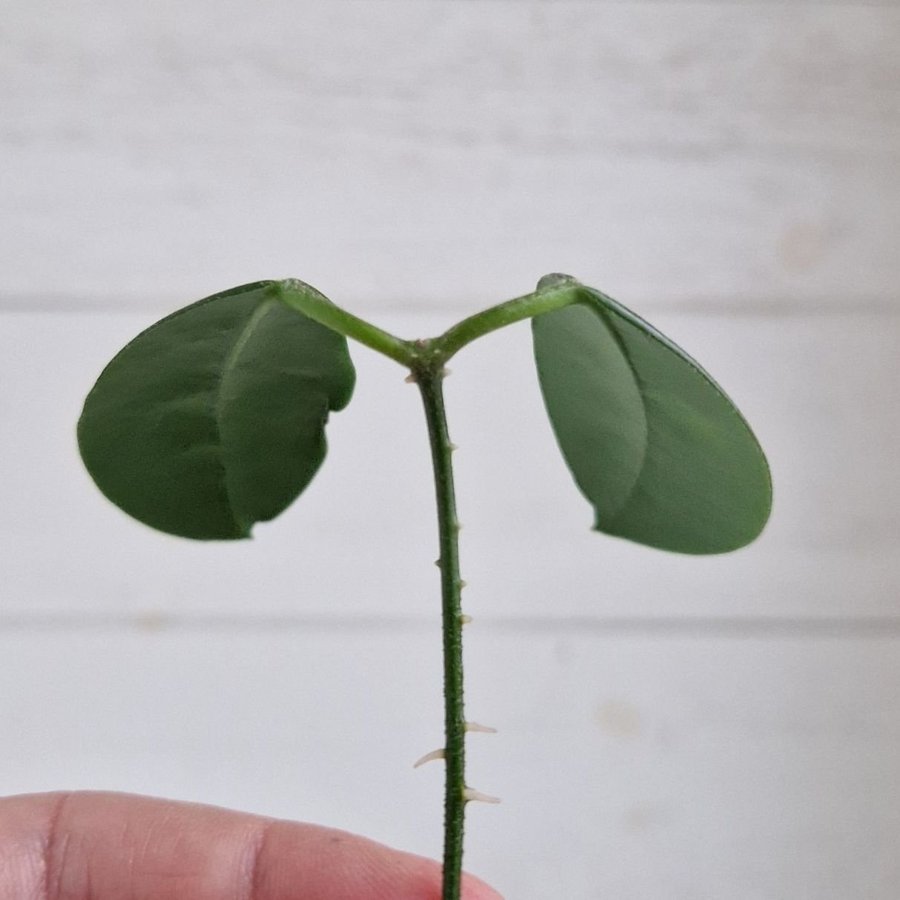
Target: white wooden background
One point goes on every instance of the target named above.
(678, 728)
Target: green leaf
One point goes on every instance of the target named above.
(652, 441)
(214, 418)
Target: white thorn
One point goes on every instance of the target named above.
(457, 526)
(428, 757)
(445, 371)
(463, 583)
(469, 794)
(465, 620)
(483, 729)
(452, 446)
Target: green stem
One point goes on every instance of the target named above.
(316, 306)
(553, 292)
(430, 381)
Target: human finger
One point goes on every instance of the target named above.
(107, 846)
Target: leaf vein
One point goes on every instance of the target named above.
(228, 368)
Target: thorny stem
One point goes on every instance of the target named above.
(430, 382)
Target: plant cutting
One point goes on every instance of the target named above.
(214, 419)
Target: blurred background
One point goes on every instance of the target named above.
(669, 727)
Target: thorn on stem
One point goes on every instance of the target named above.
(438, 562)
(469, 794)
(428, 757)
(465, 620)
(411, 378)
(483, 729)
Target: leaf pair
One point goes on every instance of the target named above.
(213, 419)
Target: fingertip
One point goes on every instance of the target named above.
(349, 866)
(475, 889)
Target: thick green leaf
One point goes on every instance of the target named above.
(652, 441)
(213, 418)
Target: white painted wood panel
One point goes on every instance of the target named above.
(629, 767)
(431, 153)
(670, 727)
(821, 391)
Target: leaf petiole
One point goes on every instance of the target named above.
(306, 299)
(553, 292)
